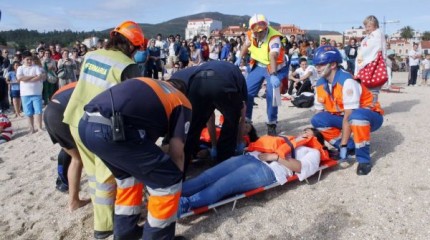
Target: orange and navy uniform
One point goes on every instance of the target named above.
(346, 93)
(62, 95)
(150, 109)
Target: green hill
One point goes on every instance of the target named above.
(178, 25)
(27, 39)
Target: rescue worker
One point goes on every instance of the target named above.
(344, 106)
(146, 110)
(59, 132)
(214, 85)
(102, 69)
(267, 63)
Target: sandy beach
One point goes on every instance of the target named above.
(392, 202)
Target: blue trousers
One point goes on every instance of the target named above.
(235, 175)
(254, 81)
(363, 121)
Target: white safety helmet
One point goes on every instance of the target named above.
(258, 23)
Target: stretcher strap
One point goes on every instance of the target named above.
(293, 150)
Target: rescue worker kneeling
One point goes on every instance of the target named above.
(344, 106)
(120, 126)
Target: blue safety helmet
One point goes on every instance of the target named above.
(326, 54)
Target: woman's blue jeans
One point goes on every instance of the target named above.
(235, 175)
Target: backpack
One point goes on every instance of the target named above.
(304, 100)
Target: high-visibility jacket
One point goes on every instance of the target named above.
(279, 145)
(100, 70)
(333, 102)
(205, 137)
(261, 54)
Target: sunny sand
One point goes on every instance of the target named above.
(392, 202)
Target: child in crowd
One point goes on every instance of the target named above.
(14, 88)
(30, 77)
(426, 70)
(5, 129)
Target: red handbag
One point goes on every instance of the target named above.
(374, 74)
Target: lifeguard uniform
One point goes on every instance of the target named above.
(260, 64)
(150, 109)
(214, 85)
(100, 70)
(346, 93)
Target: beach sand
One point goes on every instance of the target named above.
(392, 202)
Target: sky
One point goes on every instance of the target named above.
(337, 15)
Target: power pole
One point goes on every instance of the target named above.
(385, 22)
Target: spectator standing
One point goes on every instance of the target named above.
(195, 55)
(310, 51)
(4, 66)
(426, 70)
(78, 60)
(54, 53)
(14, 88)
(213, 49)
(414, 64)
(184, 54)
(225, 51)
(173, 53)
(50, 67)
(339, 47)
(163, 46)
(68, 66)
(371, 48)
(30, 77)
(83, 50)
(154, 61)
(351, 54)
(204, 46)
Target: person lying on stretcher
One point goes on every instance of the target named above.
(210, 135)
(270, 159)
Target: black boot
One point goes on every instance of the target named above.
(364, 168)
(102, 234)
(271, 129)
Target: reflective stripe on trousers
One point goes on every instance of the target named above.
(163, 205)
(128, 197)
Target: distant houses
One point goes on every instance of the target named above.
(214, 28)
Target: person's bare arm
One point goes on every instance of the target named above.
(212, 130)
(290, 163)
(346, 127)
(176, 152)
(242, 129)
(306, 76)
(273, 57)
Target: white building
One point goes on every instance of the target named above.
(356, 33)
(417, 36)
(201, 27)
